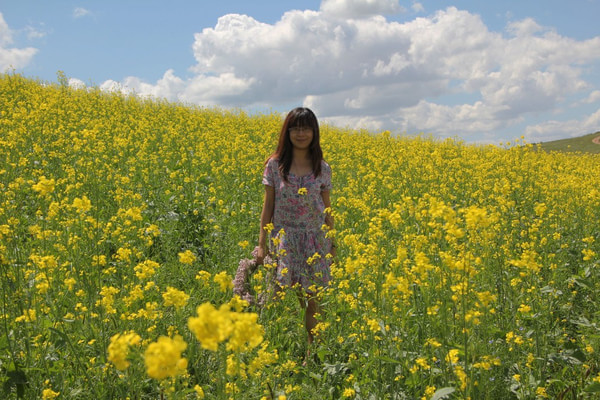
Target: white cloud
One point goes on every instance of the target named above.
(80, 12)
(526, 27)
(367, 70)
(5, 32)
(552, 130)
(113, 86)
(167, 87)
(34, 33)
(417, 7)
(593, 97)
(223, 89)
(11, 57)
(359, 8)
(76, 83)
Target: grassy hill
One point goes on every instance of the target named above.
(582, 143)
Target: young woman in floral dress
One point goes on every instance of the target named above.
(297, 185)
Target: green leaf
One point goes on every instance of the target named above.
(315, 376)
(322, 353)
(442, 393)
(592, 388)
(335, 369)
(388, 360)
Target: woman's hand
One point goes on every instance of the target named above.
(261, 253)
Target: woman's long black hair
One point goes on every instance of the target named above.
(301, 117)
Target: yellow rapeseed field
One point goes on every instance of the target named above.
(463, 272)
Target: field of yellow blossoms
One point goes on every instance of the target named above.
(463, 272)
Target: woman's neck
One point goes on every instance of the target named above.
(301, 163)
(301, 155)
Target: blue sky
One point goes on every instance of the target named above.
(484, 71)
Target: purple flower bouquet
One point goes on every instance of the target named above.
(241, 282)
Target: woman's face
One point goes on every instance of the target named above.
(301, 137)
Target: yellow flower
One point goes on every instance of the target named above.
(70, 283)
(187, 257)
(44, 186)
(429, 391)
(118, 349)
(49, 394)
(82, 205)
(28, 316)
(146, 269)
(313, 259)
(452, 356)
(233, 365)
(510, 336)
(231, 388)
(524, 309)
(461, 375)
(302, 191)
(225, 282)
(203, 276)
(199, 391)
(123, 254)
(349, 392)
(237, 303)
(246, 333)
(175, 297)
(269, 227)
(588, 254)
(264, 358)
(211, 326)
(476, 217)
(487, 362)
(108, 298)
(422, 362)
(373, 325)
(134, 213)
(433, 343)
(163, 357)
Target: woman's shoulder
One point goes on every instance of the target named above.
(325, 166)
(272, 161)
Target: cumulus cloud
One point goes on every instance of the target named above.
(417, 7)
(555, 129)
(593, 97)
(446, 73)
(359, 8)
(11, 57)
(76, 83)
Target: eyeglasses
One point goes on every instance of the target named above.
(298, 129)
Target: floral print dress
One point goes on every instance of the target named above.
(299, 211)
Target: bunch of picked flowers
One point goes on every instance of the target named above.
(241, 282)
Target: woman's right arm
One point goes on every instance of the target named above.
(265, 218)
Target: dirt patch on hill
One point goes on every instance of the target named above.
(596, 140)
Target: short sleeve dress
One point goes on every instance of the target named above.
(302, 249)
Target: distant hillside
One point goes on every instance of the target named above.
(583, 144)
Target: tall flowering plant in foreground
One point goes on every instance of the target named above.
(213, 326)
(164, 359)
